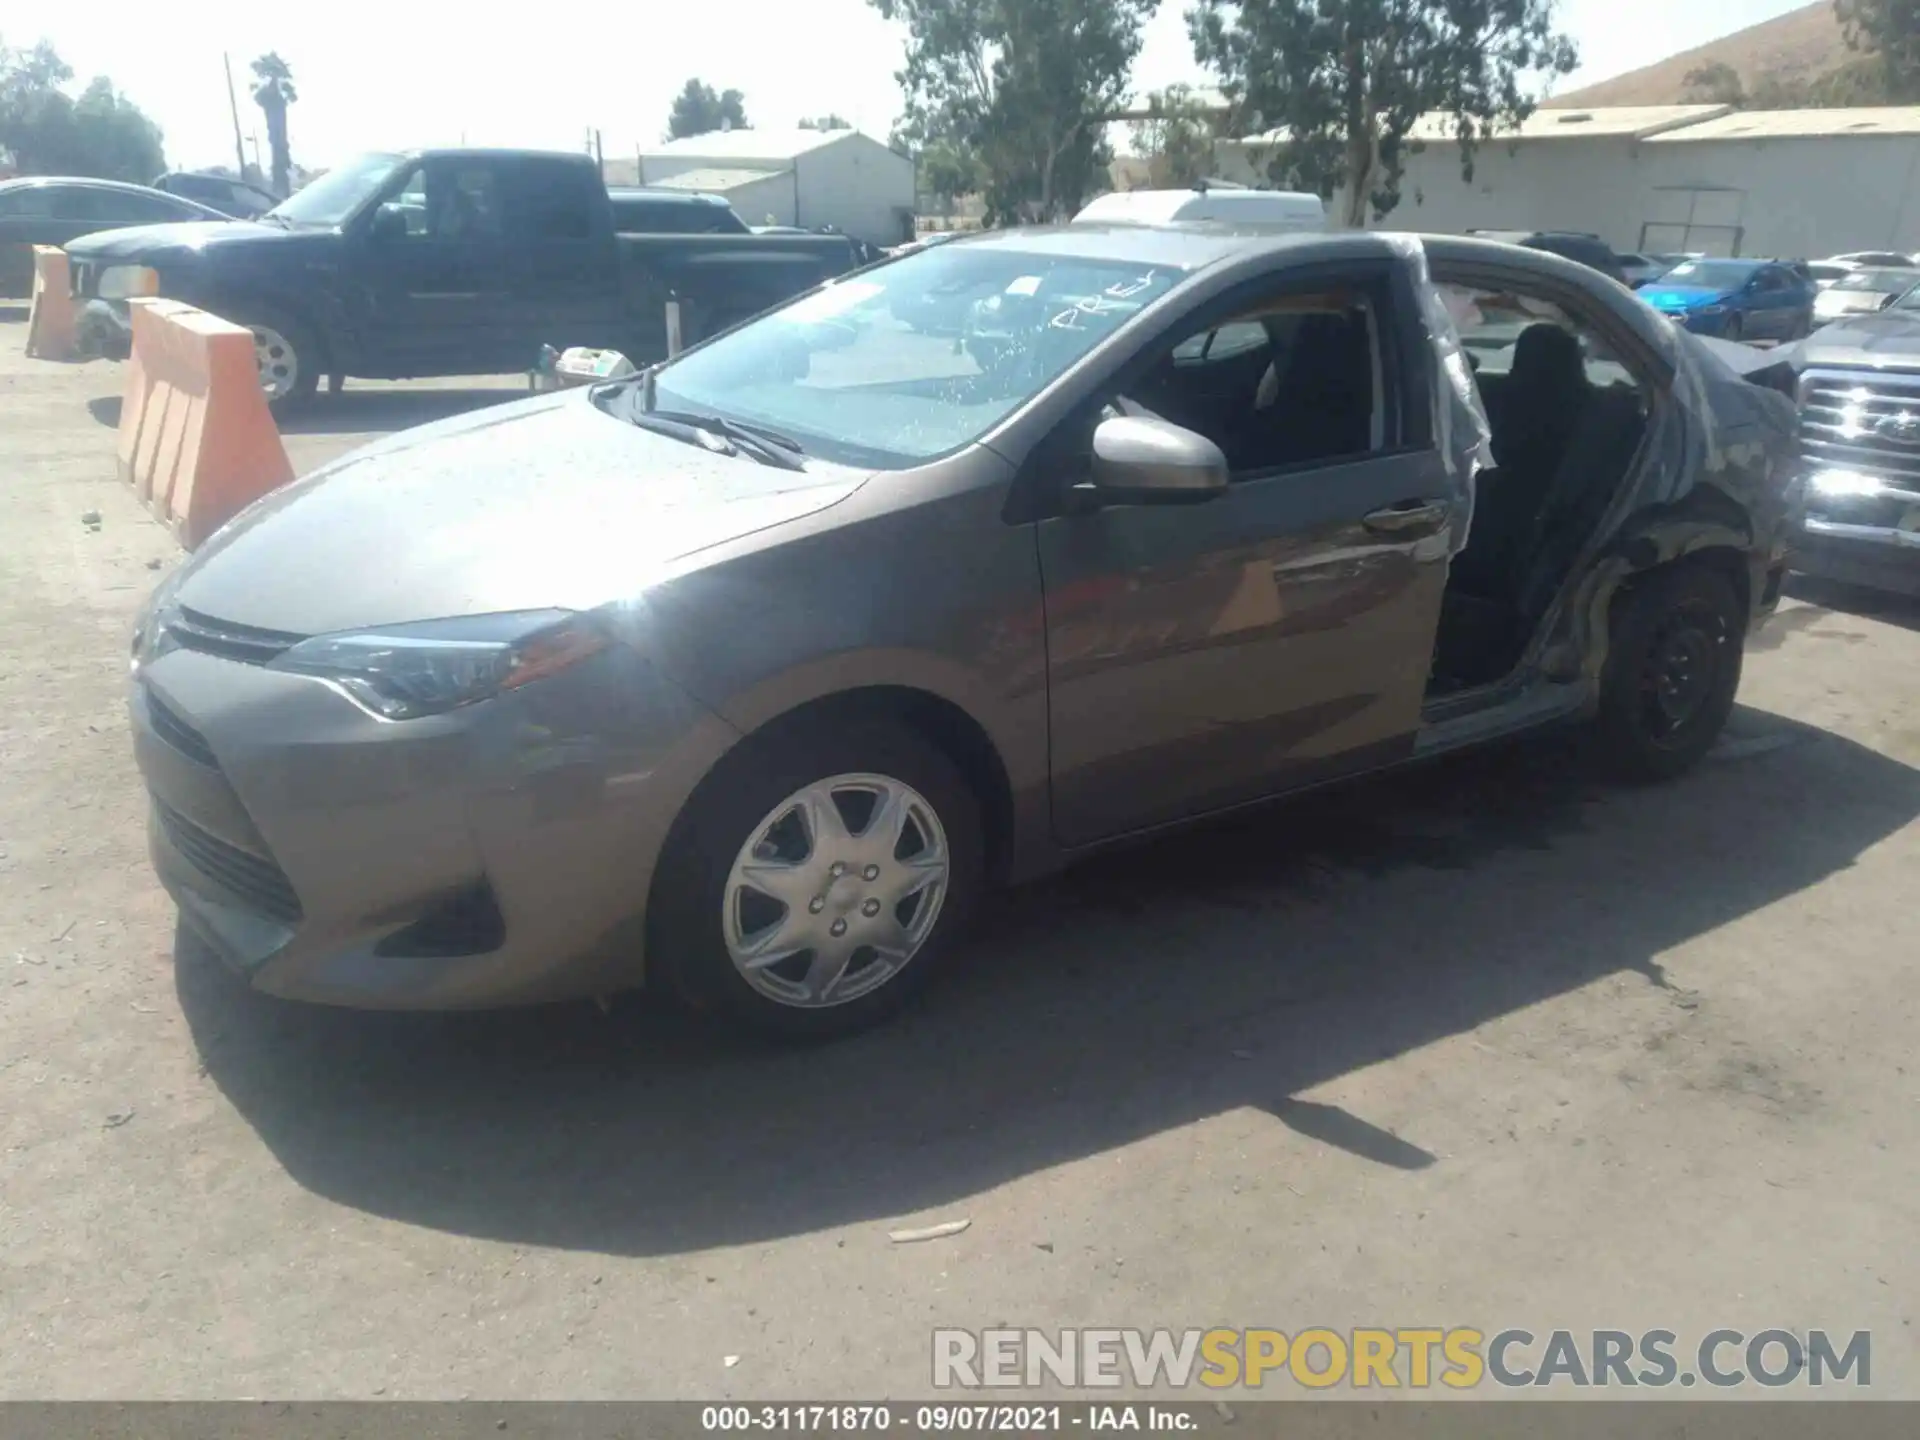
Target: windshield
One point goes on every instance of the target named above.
(1878, 282)
(1711, 274)
(338, 193)
(910, 361)
(1908, 301)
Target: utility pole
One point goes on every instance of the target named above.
(599, 159)
(233, 105)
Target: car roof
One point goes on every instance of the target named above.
(1184, 245)
(90, 182)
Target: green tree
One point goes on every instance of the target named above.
(1715, 83)
(49, 133)
(827, 122)
(1022, 86)
(1177, 140)
(699, 109)
(1344, 81)
(273, 92)
(1888, 31)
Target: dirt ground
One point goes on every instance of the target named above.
(1493, 1044)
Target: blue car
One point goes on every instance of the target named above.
(1735, 299)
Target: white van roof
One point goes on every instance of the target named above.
(1285, 209)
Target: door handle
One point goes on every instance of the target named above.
(1408, 517)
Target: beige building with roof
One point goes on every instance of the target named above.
(1788, 183)
(811, 178)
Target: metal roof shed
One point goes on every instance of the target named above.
(838, 178)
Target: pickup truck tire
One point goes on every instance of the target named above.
(1671, 674)
(290, 356)
(849, 894)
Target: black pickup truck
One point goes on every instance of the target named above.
(445, 262)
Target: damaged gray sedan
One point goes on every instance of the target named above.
(746, 678)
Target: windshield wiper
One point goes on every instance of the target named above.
(769, 447)
(712, 435)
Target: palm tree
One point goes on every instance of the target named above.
(273, 94)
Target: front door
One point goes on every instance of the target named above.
(1204, 655)
(431, 266)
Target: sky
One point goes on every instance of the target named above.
(400, 74)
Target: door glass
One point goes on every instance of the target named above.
(28, 202)
(449, 200)
(1294, 382)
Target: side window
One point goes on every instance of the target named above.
(448, 200)
(33, 202)
(78, 202)
(1296, 380)
(552, 202)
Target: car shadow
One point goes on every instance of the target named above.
(1238, 965)
(353, 412)
(1837, 597)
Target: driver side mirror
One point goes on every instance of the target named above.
(389, 224)
(1144, 461)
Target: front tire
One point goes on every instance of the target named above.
(287, 353)
(818, 881)
(1736, 328)
(1672, 672)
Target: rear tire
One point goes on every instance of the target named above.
(1672, 672)
(711, 930)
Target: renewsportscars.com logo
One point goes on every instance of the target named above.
(1459, 1358)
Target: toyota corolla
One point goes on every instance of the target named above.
(748, 675)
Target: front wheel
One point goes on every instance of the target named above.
(286, 353)
(1736, 328)
(819, 881)
(1672, 671)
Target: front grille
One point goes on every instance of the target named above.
(178, 733)
(247, 643)
(258, 882)
(1862, 421)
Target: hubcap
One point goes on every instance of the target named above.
(836, 889)
(279, 366)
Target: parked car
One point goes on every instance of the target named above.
(1862, 292)
(1640, 269)
(239, 199)
(1588, 250)
(1827, 273)
(55, 209)
(1859, 392)
(638, 210)
(449, 262)
(1735, 299)
(1280, 210)
(747, 676)
(1886, 259)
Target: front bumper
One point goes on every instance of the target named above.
(499, 854)
(103, 330)
(1877, 557)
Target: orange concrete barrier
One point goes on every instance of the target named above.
(50, 324)
(196, 440)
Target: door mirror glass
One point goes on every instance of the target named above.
(389, 224)
(1149, 461)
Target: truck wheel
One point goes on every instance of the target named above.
(819, 882)
(1672, 671)
(288, 355)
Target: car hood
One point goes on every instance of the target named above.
(1841, 302)
(1889, 338)
(1683, 297)
(545, 503)
(140, 243)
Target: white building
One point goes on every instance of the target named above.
(1795, 183)
(809, 178)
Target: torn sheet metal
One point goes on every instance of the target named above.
(1460, 426)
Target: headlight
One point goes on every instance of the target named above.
(405, 671)
(119, 282)
(1836, 483)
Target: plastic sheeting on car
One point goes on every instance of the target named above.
(1460, 426)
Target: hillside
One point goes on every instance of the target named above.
(1800, 46)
